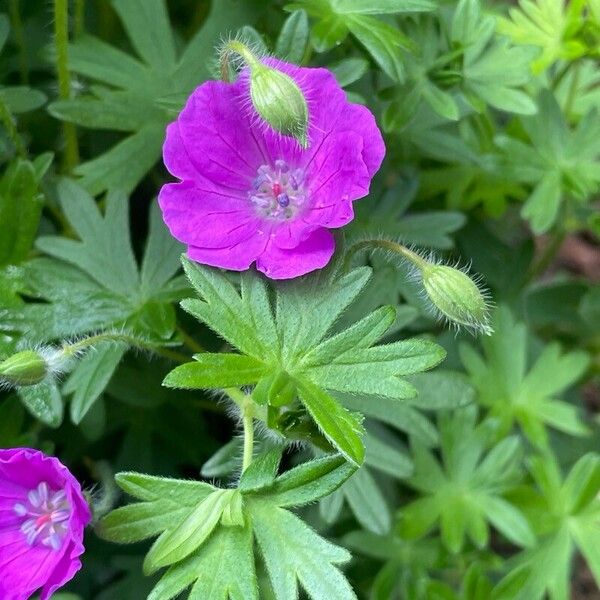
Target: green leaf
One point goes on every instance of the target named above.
(207, 533)
(466, 485)
(178, 542)
(151, 488)
(349, 70)
(396, 413)
(91, 376)
(310, 481)
(216, 371)
(104, 251)
(293, 38)
(517, 395)
(339, 426)
(328, 33)
(293, 552)
(441, 390)
(367, 502)
(509, 521)
(262, 470)
(20, 211)
(223, 568)
(43, 401)
(380, 7)
(224, 461)
(104, 289)
(22, 99)
(382, 41)
(557, 162)
(289, 356)
(541, 208)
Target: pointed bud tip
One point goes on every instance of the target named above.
(457, 297)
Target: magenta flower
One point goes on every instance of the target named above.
(42, 517)
(248, 194)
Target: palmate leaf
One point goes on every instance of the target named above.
(288, 349)
(574, 509)
(99, 271)
(516, 393)
(558, 162)
(465, 492)
(207, 538)
(131, 92)
(459, 70)
(94, 284)
(551, 25)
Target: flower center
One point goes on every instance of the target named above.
(45, 515)
(278, 191)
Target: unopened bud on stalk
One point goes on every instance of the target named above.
(279, 101)
(277, 98)
(456, 296)
(24, 368)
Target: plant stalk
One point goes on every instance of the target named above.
(61, 40)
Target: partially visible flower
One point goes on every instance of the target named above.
(42, 517)
(249, 194)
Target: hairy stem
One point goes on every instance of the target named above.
(388, 245)
(248, 423)
(235, 47)
(61, 40)
(75, 347)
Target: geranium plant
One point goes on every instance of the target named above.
(299, 300)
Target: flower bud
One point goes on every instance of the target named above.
(279, 101)
(24, 368)
(456, 296)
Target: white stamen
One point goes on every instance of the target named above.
(45, 515)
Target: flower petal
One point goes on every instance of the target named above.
(313, 253)
(210, 218)
(237, 257)
(215, 132)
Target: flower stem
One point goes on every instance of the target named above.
(61, 40)
(235, 47)
(248, 423)
(388, 245)
(74, 348)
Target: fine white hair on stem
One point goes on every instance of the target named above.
(422, 264)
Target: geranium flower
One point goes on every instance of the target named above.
(249, 194)
(42, 517)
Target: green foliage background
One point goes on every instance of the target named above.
(373, 476)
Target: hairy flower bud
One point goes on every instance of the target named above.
(279, 101)
(456, 296)
(275, 96)
(24, 368)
